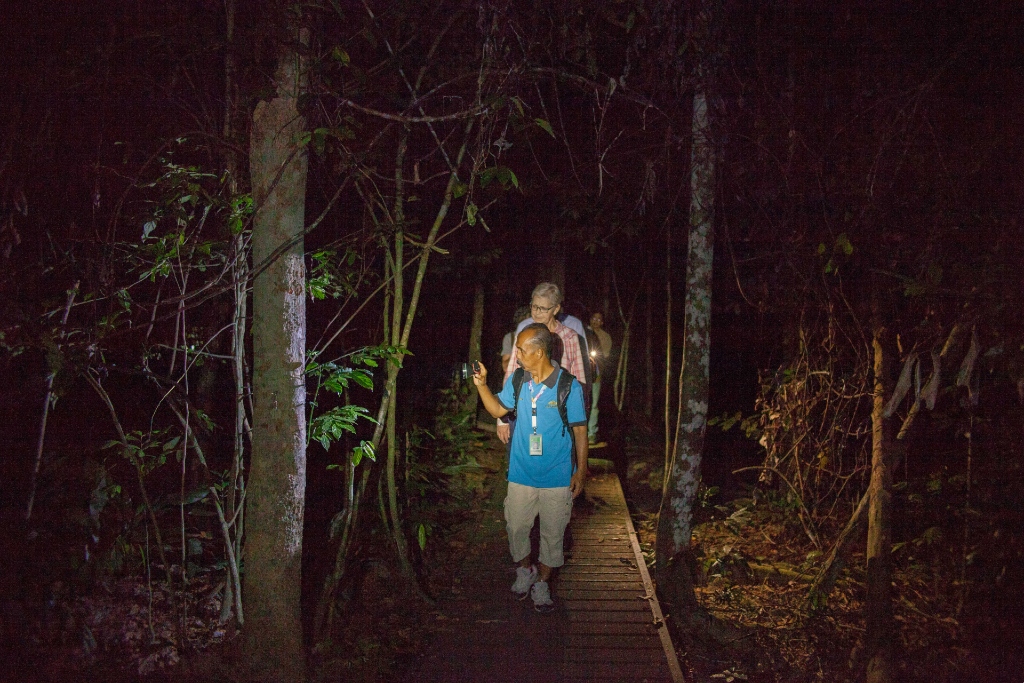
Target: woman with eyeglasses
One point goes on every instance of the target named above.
(569, 349)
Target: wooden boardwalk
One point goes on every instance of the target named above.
(608, 626)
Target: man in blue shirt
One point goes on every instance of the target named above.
(543, 475)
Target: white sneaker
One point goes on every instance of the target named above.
(542, 601)
(524, 579)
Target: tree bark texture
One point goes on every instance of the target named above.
(880, 631)
(476, 333)
(681, 481)
(277, 483)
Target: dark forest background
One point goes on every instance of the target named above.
(867, 180)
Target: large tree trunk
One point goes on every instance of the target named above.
(680, 487)
(880, 631)
(277, 484)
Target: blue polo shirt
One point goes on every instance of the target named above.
(554, 467)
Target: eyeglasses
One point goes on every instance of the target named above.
(542, 309)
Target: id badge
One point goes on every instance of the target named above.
(536, 447)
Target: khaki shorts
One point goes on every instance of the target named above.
(522, 505)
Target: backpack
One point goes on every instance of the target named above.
(564, 385)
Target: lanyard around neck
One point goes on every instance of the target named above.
(533, 404)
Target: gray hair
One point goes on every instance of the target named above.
(549, 291)
(541, 338)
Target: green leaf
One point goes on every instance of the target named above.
(339, 55)
(421, 536)
(320, 140)
(317, 290)
(459, 189)
(471, 211)
(362, 379)
(369, 450)
(545, 125)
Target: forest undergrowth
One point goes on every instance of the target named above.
(754, 567)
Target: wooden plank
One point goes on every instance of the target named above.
(644, 658)
(610, 583)
(608, 560)
(598, 544)
(608, 606)
(612, 617)
(598, 568)
(569, 677)
(626, 595)
(607, 628)
(632, 671)
(601, 549)
(648, 641)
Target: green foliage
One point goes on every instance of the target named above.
(545, 126)
(423, 530)
(442, 468)
(147, 450)
(172, 235)
(332, 424)
(841, 248)
(453, 425)
(337, 378)
(748, 424)
(503, 174)
(241, 210)
(705, 494)
(332, 274)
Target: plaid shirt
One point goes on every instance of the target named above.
(572, 357)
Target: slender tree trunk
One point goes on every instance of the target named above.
(840, 553)
(682, 479)
(240, 275)
(649, 352)
(398, 304)
(880, 626)
(476, 332)
(668, 346)
(47, 400)
(277, 483)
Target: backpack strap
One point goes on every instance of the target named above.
(517, 385)
(565, 380)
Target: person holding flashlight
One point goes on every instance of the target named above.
(547, 459)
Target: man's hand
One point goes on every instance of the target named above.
(491, 404)
(579, 479)
(479, 374)
(504, 432)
